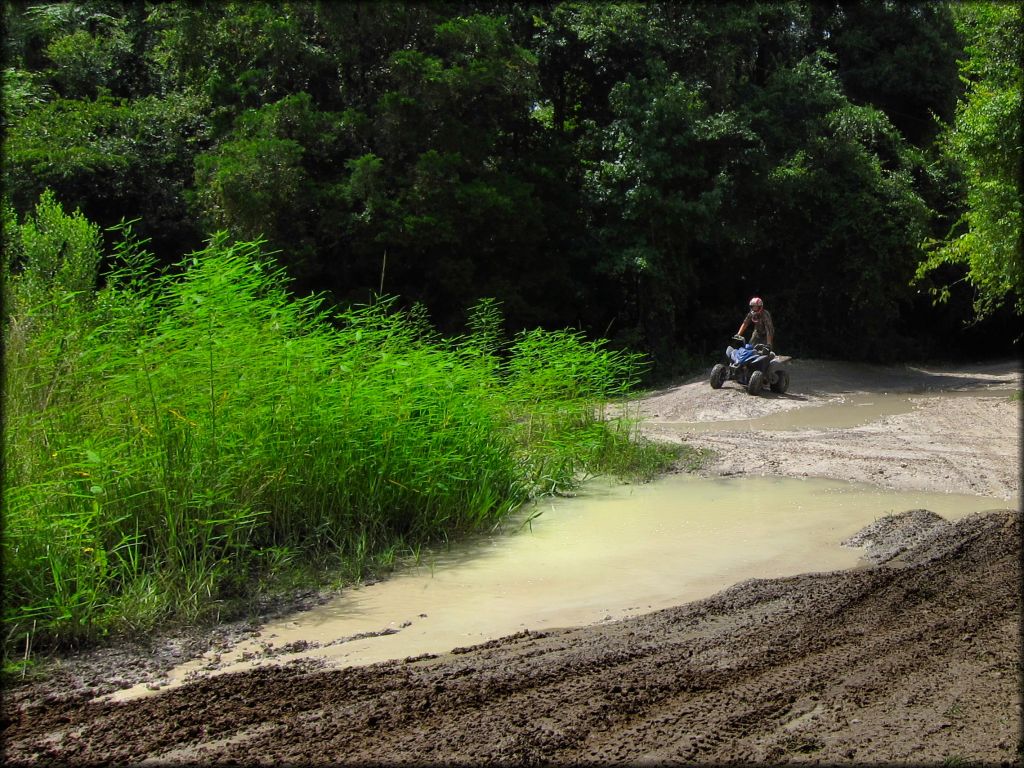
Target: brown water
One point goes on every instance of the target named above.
(608, 553)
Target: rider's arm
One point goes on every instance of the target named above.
(742, 327)
(769, 329)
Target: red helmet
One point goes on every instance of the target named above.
(756, 305)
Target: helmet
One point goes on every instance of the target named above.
(756, 305)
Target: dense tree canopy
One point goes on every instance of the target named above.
(986, 141)
(636, 170)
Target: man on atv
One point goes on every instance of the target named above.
(758, 317)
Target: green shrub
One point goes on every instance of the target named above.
(174, 440)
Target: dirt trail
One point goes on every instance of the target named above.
(965, 445)
(914, 657)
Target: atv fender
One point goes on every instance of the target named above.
(776, 364)
(778, 375)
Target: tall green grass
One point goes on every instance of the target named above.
(175, 439)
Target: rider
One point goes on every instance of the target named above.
(758, 317)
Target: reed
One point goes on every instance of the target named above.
(175, 441)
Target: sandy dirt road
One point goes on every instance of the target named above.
(912, 658)
(963, 444)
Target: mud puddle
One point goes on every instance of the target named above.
(611, 552)
(848, 411)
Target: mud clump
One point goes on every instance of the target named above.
(912, 658)
(892, 535)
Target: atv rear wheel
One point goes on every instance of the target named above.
(717, 376)
(781, 383)
(756, 383)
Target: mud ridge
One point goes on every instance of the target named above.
(914, 659)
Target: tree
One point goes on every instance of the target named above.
(438, 184)
(634, 169)
(82, 48)
(986, 141)
(899, 57)
(656, 195)
(240, 55)
(112, 158)
(837, 216)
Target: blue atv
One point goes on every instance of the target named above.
(753, 367)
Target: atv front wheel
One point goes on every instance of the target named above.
(717, 376)
(756, 383)
(781, 383)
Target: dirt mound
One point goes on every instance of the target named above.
(893, 535)
(910, 662)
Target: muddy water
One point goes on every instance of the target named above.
(610, 552)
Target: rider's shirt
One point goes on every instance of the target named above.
(762, 323)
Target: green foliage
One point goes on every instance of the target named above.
(111, 158)
(987, 141)
(833, 211)
(50, 257)
(174, 438)
(248, 185)
(657, 191)
(899, 58)
(631, 169)
(240, 54)
(22, 92)
(83, 48)
(84, 63)
(66, 138)
(487, 337)
(50, 271)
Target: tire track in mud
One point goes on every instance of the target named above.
(962, 435)
(937, 454)
(857, 664)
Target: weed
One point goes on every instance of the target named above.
(957, 761)
(954, 711)
(176, 441)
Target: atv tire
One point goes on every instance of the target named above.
(781, 383)
(717, 376)
(756, 383)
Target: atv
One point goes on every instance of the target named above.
(754, 367)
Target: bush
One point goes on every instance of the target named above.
(175, 439)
